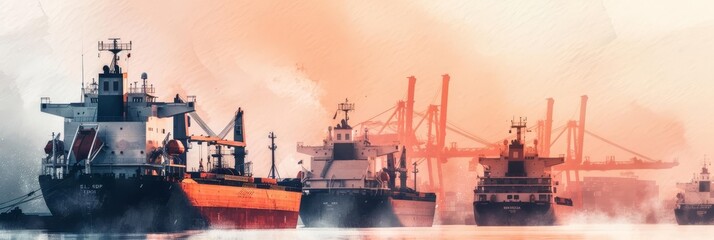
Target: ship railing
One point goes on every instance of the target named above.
(481, 189)
(81, 119)
(45, 100)
(191, 98)
(113, 45)
(302, 145)
(90, 90)
(136, 165)
(515, 181)
(147, 89)
(506, 191)
(106, 119)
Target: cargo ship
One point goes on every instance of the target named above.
(121, 164)
(345, 188)
(516, 188)
(694, 203)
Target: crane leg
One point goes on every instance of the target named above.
(441, 182)
(431, 172)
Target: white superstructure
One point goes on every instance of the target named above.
(116, 129)
(343, 162)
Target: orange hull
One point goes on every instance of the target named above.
(245, 207)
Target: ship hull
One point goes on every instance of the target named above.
(106, 203)
(243, 207)
(366, 208)
(513, 214)
(695, 214)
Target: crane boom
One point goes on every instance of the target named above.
(212, 140)
(202, 124)
(227, 129)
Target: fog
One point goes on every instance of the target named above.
(643, 64)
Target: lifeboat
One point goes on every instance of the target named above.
(175, 147)
(85, 141)
(59, 147)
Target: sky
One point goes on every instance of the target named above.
(644, 65)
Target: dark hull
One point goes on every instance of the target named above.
(105, 203)
(695, 214)
(365, 208)
(513, 214)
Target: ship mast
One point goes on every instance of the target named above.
(345, 107)
(273, 170)
(114, 47)
(518, 126)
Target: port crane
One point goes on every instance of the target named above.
(436, 152)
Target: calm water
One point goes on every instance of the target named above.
(590, 231)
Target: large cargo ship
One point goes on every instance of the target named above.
(344, 187)
(122, 164)
(695, 203)
(517, 187)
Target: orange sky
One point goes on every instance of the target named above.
(645, 66)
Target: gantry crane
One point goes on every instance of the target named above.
(575, 161)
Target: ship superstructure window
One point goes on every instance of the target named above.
(116, 85)
(516, 197)
(482, 197)
(94, 100)
(347, 136)
(137, 99)
(509, 197)
(106, 86)
(339, 136)
(516, 169)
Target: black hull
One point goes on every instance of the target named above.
(365, 209)
(106, 203)
(513, 214)
(695, 214)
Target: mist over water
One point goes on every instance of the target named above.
(614, 231)
(288, 64)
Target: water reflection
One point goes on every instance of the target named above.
(590, 231)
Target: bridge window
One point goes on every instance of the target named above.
(509, 197)
(116, 85)
(339, 136)
(137, 99)
(347, 136)
(106, 86)
(516, 196)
